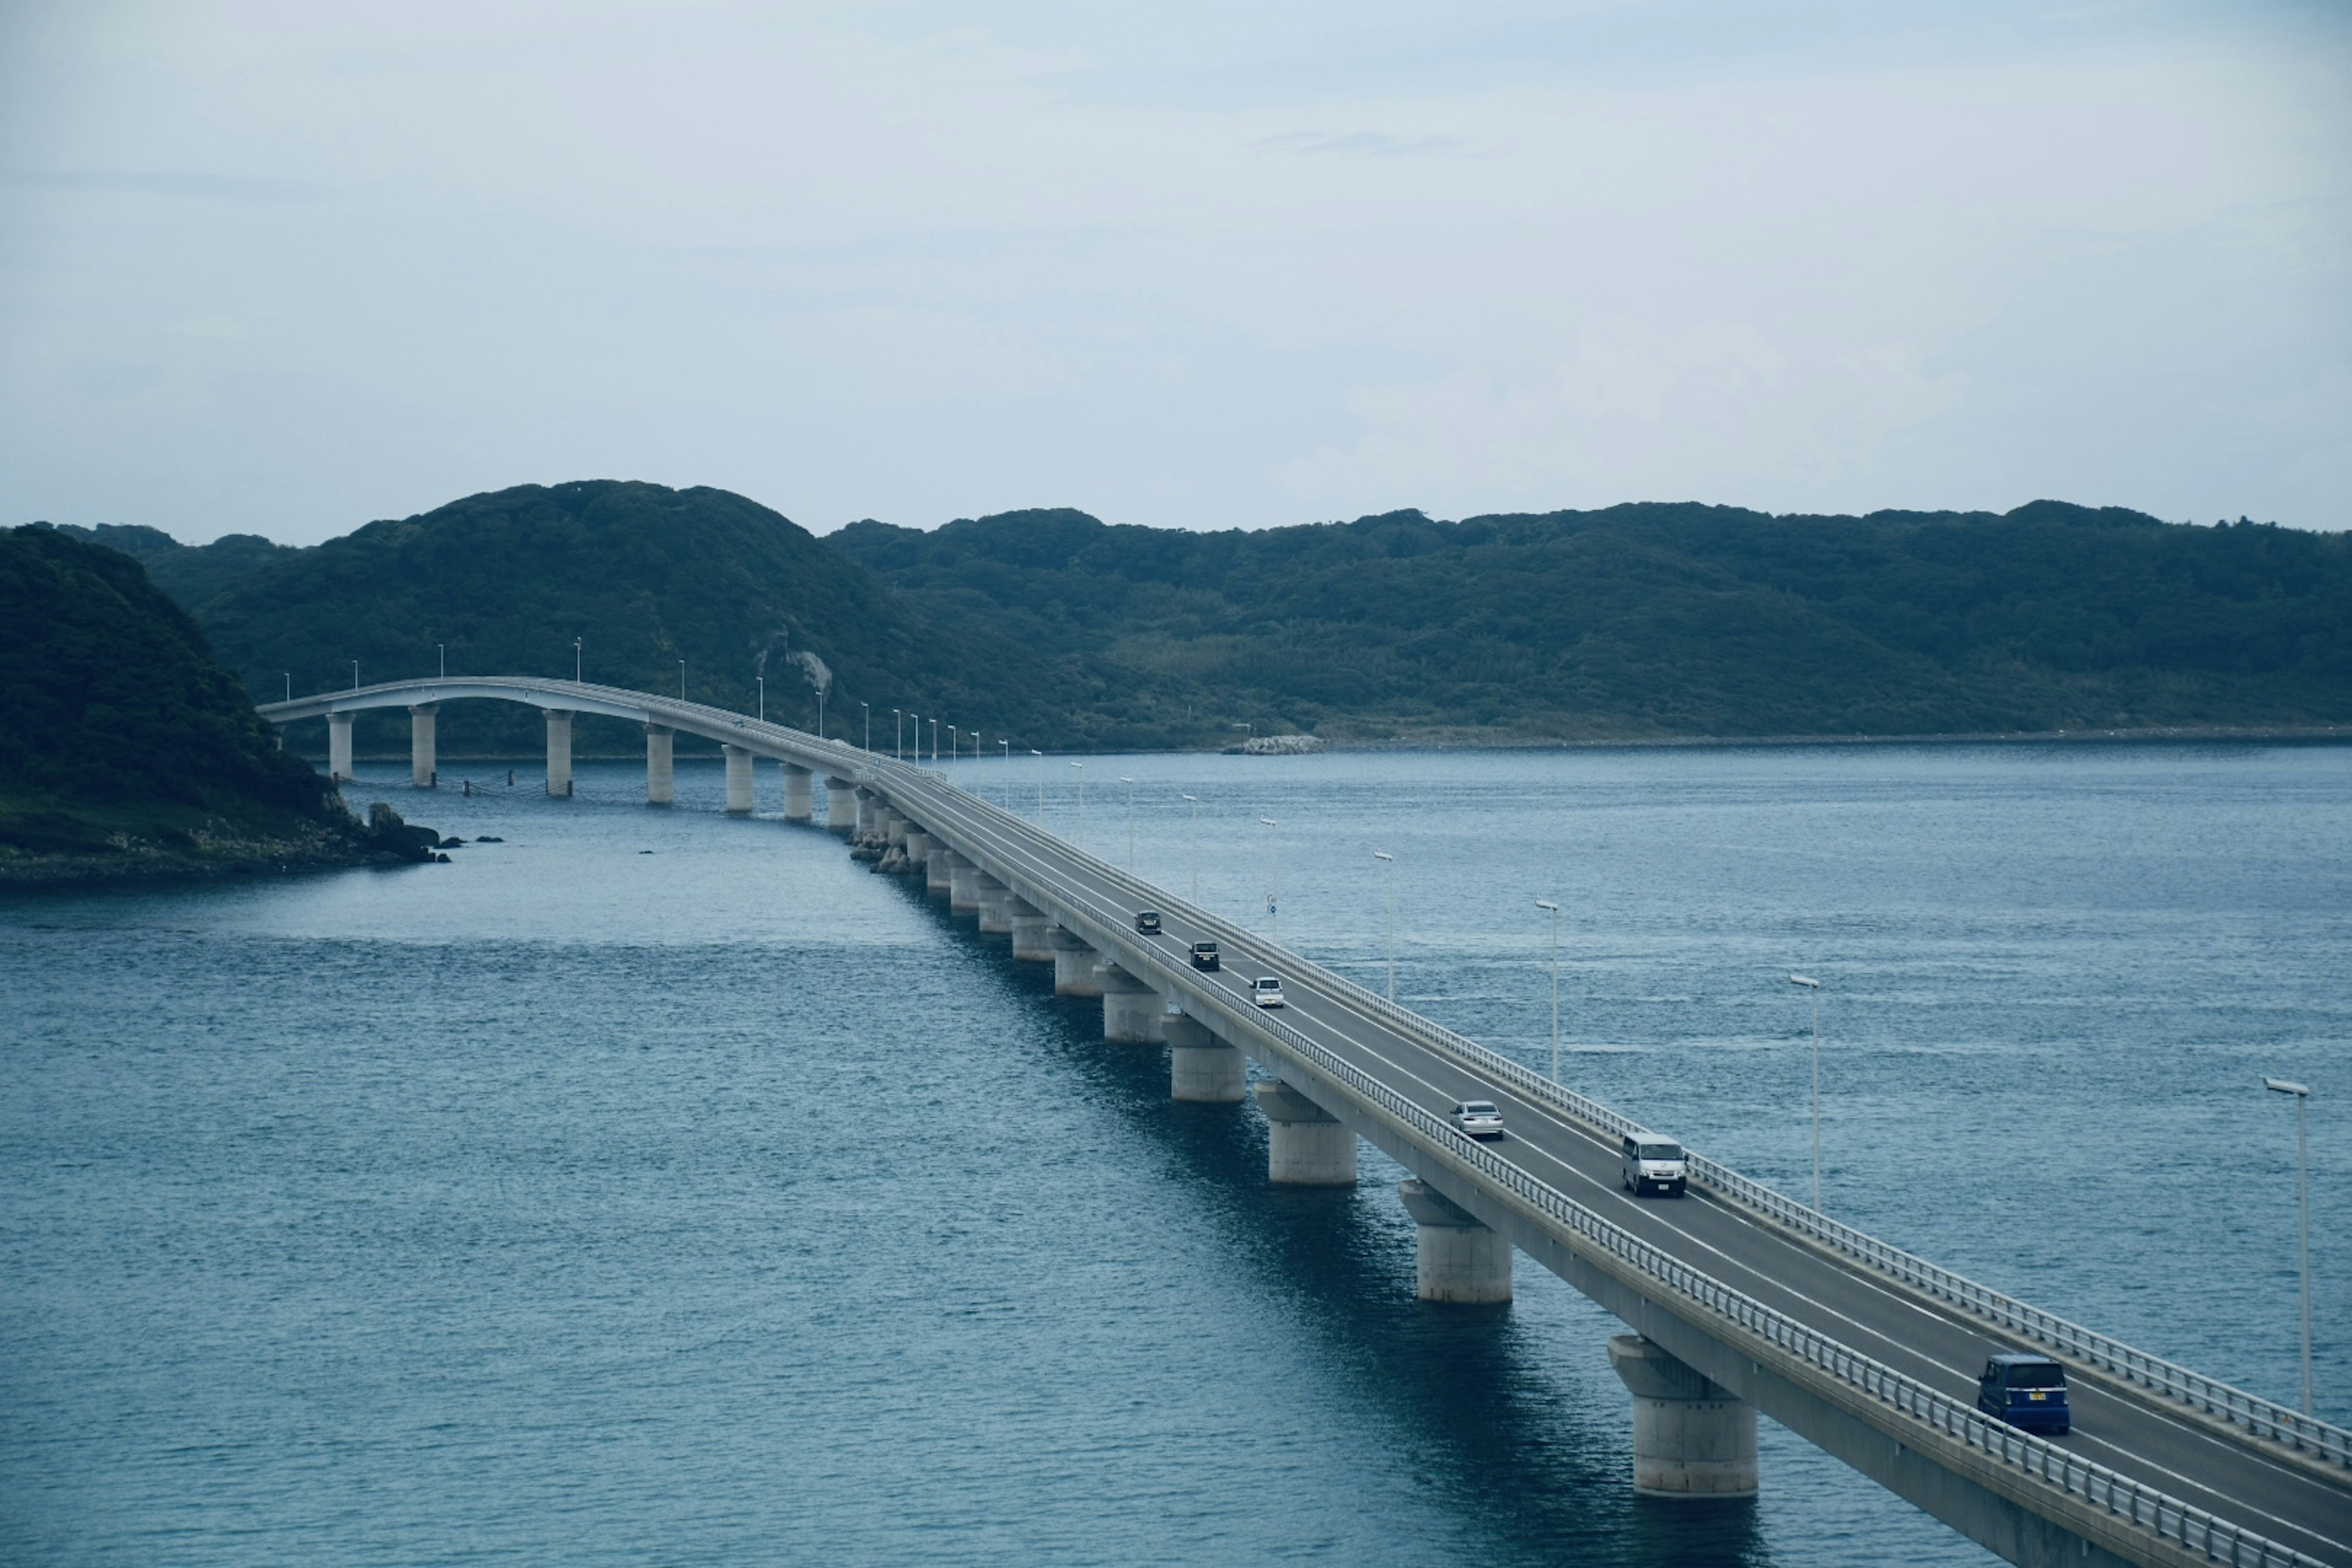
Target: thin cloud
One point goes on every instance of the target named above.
(1361, 144)
(163, 182)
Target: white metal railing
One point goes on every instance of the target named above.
(2167, 1517)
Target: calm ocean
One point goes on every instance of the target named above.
(659, 1188)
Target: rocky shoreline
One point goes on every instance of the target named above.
(218, 847)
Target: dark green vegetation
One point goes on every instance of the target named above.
(124, 746)
(1061, 631)
(1659, 621)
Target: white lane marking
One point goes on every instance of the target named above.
(1341, 1040)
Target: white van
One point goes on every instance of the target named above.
(1652, 1164)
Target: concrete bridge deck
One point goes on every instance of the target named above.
(1868, 1354)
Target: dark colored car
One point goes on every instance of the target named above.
(1205, 955)
(1147, 922)
(2029, 1392)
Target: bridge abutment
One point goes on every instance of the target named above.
(421, 759)
(995, 905)
(1074, 965)
(661, 766)
(1033, 931)
(339, 747)
(1692, 1438)
(739, 779)
(1306, 1145)
(1131, 1008)
(559, 751)
(1455, 1257)
(1202, 1069)
(799, 793)
(840, 804)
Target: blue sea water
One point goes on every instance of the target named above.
(656, 1186)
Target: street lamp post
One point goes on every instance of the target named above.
(1192, 836)
(1130, 822)
(1007, 744)
(1082, 802)
(955, 746)
(681, 680)
(935, 742)
(820, 713)
(1274, 881)
(289, 686)
(2302, 1094)
(1554, 909)
(1040, 765)
(899, 745)
(763, 697)
(575, 661)
(1815, 987)
(1387, 863)
(867, 711)
(443, 650)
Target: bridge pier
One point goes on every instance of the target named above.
(739, 779)
(1455, 1258)
(934, 869)
(559, 751)
(1202, 1069)
(799, 793)
(1131, 1009)
(1074, 965)
(963, 885)
(1692, 1438)
(421, 770)
(995, 905)
(1306, 1145)
(661, 769)
(865, 819)
(840, 807)
(1033, 931)
(339, 747)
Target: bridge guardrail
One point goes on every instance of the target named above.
(2169, 1518)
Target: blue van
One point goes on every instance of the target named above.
(2029, 1392)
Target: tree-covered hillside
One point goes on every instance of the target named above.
(645, 577)
(123, 739)
(1671, 620)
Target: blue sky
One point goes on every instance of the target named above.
(284, 268)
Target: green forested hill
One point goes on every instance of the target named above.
(122, 740)
(1661, 620)
(643, 576)
(1634, 622)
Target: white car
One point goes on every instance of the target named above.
(1266, 991)
(1478, 1118)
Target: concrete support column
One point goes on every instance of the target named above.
(1457, 1258)
(799, 793)
(934, 869)
(559, 751)
(840, 809)
(1692, 1437)
(1202, 1069)
(918, 845)
(739, 779)
(421, 759)
(1306, 1146)
(1074, 965)
(1033, 931)
(1131, 1009)
(661, 765)
(995, 915)
(866, 818)
(339, 747)
(963, 885)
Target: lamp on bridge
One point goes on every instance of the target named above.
(2302, 1186)
(1547, 904)
(1815, 987)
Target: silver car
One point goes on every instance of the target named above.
(1266, 991)
(1478, 1118)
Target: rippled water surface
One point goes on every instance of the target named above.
(656, 1186)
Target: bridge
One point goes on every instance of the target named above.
(1740, 1299)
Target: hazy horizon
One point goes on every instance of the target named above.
(279, 270)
